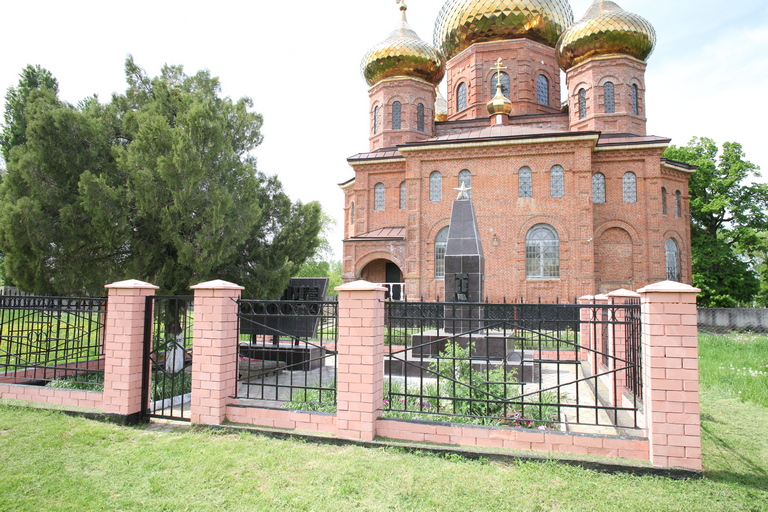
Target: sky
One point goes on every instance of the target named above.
(299, 61)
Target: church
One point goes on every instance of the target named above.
(571, 197)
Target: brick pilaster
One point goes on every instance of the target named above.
(360, 372)
(214, 350)
(671, 374)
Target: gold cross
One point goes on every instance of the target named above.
(498, 67)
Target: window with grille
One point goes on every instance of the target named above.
(525, 182)
(678, 204)
(635, 100)
(609, 98)
(420, 117)
(663, 201)
(673, 260)
(352, 213)
(630, 187)
(557, 181)
(598, 188)
(505, 88)
(402, 196)
(441, 242)
(465, 178)
(542, 252)
(376, 114)
(378, 196)
(461, 97)
(396, 110)
(435, 186)
(542, 90)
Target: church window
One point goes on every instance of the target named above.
(352, 212)
(378, 196)
(525, 182)
(376, 115)
(465, 178)
(630, 187)
(396, 109)
(505, 89)
(663, 201)
(542, 252)
(461, 97)
(672, 251)
(542, 90)
(435, 186)
(598, 188)
(420, 117)
(609, 98)
(402, 196)
(582, 103)
(441, 242)
(678, 204)
(557, 181)
(635, 102)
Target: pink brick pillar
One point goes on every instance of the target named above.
(124, 347)
(618, 343)
(586, 330)
(360, 370)
(671, 374)
(214, 350)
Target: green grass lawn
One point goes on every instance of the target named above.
(54, 462)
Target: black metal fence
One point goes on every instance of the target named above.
(54, 341)
(525, 365)
(167, 382)
(287, 353)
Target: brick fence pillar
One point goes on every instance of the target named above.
(360, 370)
(214, 350)
(671, 374)
(617, 344)
(586, 330)
(124, 347)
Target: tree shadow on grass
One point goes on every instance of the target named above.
(733, 465)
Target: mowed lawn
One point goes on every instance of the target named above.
(53, 462)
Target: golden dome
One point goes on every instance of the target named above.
(606, 29)
(441, 107)
(461, 23)
(403, 54)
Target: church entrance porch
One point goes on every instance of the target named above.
(385, 273)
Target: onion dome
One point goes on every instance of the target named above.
(441, 107)
(461, 23)
(606, 29)
(499, 104)
(403, 54)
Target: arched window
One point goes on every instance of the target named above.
(663, 201)
(376, 115)
(630, 187)
(396, 110)
(609, 98)
(441, 242)
(465, 178)
(598, 188)
(542, 90)
(635, 100)
(352, 212)
(582, 103)
(505, 89)
(672, 251)
(542, 252)
(461, 97)
(402, 196)
(678, 204)
(378, 196)
(435, 186)
(525, 182)
(556, 181)
(420, 117)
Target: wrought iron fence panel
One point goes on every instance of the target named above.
(168, 334)
(287, 353)
(521, 365)
(53, 341)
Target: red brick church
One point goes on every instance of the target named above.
(571, 198)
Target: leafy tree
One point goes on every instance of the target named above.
(729, 218)
(158, 185)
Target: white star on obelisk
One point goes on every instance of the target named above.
(463, 189)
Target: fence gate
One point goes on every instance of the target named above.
(167, 380)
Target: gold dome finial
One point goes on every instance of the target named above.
(499, 104)
(403, 54)
(605, 29)
(441, 107)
